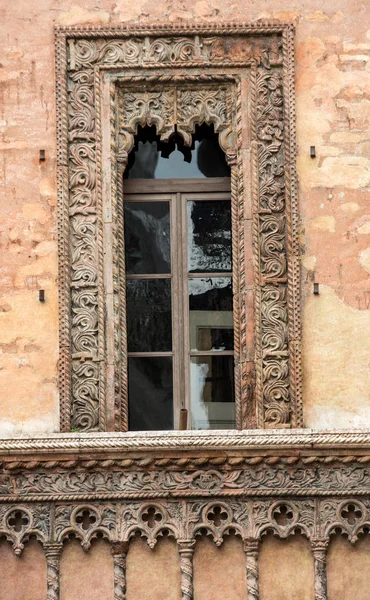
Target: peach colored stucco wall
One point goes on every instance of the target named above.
(153, 573)
(219, 573)
(286, 569)
(86, 575)
(333, 113)
(22, 577)
(346, 565)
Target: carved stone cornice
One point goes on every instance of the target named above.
(312, 441)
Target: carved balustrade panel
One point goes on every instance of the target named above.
(185, 520)
(117, 487)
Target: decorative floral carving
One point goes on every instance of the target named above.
(84, 323)
(264, 480)
(172, 50)
(215, 519)
(197, 106)
(85, 406)
(81, 109)
(350, 518)
(272, 245)
(284, 518)
(19, 523)
(136, 52)
(86, 522)
(149, 108)
(151, 520)
(274, 345)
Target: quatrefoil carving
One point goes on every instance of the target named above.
(152, 517)
(217, 515)
(351, 513)
(86, 518)
(18, 520)
(283, 515)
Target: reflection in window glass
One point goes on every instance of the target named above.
(147, 237)
(212, 392)
(151, 393)
(209, 236)
(211, 313)
(149, 325)
(215, 338)
(201, 255)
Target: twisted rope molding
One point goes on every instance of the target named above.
(174, 440)
(285, 493)
(186, 462)
(170, 28)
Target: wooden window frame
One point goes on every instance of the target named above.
(240, 79)
(182, 190)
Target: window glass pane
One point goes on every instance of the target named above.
(147, 238)
(150, 391)
(214, 338)
(209, 236)
(149, 324)
(212, 392)
(211, 313)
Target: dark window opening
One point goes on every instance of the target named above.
(153, 159)
(179, 284)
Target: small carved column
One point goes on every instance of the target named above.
(319, 557)
(119, 552)
(251, 564)
(186, 551)
(52, 553)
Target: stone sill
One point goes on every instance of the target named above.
(293, 442)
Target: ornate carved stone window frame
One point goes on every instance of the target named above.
(96, 71)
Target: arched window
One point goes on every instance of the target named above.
(179, 299)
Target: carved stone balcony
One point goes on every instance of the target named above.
(249, 483)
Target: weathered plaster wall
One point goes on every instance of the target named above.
(22, 577)
(86, 575)
(346, 565)
(286, 569)
(219, 573)
(333, 113)
(153, 573)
